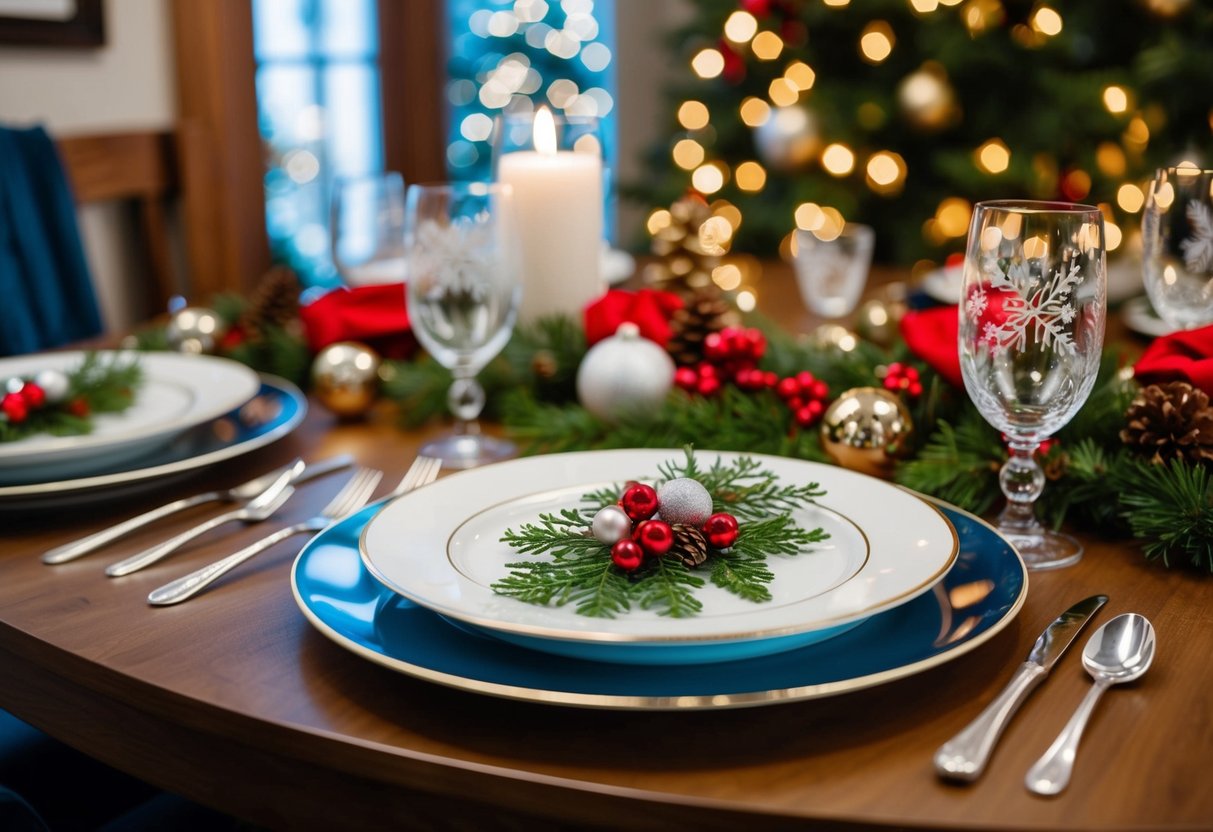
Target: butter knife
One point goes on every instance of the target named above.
(964, 757)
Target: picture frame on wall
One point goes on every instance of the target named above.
(67, 23)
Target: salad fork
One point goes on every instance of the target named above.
(423, 470)
(240, 493)
(258, 509)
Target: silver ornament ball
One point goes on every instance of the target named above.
(195, 329)
(53, 383)
(624, 375)
(610, 525)
(684, 501)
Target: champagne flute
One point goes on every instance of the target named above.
(463, 291)
(367, 228)
(1032, 316)
(1177, 246)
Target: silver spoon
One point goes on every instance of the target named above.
(1119, 651)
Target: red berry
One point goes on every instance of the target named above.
(627, 555)
(654, 536)
(787, 387)
(891, 383)
(915, 389)
(707, 370)
(78, 407)
(756, 343)
(721, 530)
(639, 502)
(893, 369)
(795, 403)
(708, 386)
(805, 379)
(816, 407)
(13, 406)
(770, 379)
(805, 417)
(821, 390)
(685, 378)
(34, 395)
(716, 346)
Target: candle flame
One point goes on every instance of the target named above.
(545, 131)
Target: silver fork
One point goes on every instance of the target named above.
(423, 470)
(245, 491)
(349, 499)
(259, 508)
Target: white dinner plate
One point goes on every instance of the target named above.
(177, 392)
(1140, 317)
(440, 547)
(1123, 281)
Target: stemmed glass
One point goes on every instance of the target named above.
(832, 272)
(367, 228)
(1177, 246)
(1032, 317)
(464, 288)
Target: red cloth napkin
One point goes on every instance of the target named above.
(931, 335)
(374, 315)
(649, 309)
(1186, 355)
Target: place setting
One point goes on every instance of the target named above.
(87, 426)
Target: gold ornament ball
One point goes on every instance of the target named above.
(195, 330)
(866, 429)
(345, 377)
(877, 321)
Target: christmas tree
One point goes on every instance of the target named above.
(902, 113)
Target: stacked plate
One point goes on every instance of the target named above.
(189, 412)
(901, 585)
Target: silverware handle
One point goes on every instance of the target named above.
(964, 757)
(1051, 773)
(190, 585)
(162, 550)
(78, 548)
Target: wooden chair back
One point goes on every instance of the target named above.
(141, 168)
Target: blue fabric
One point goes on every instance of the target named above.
(16, 815)
(46, 295)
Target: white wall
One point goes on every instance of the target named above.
(126, 84)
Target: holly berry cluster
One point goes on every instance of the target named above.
(635, 531)
(902, 378)
(732, 355)
(729, 355)
(25, 396)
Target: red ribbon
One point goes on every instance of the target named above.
(649, 309)
(1186, 355)
(374, 315)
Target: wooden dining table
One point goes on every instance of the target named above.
(234, 700)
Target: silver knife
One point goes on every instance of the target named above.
(964, 756)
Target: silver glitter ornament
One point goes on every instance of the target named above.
(610, 525)
(685, 501)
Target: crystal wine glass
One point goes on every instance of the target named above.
(1032, 317)
(367, 228)
(1177, 246)
(464, 288)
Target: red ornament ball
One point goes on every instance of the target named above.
(627, 555)
(34, 395)
(721, 530)
(14, 407)
(639, 502)
(654, 536)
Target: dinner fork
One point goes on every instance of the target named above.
(239, 493)
(259, 508)
(422, 471)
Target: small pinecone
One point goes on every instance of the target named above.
(1170, 421)
(274, 303)
(706, 311)
(544, 365)
(690, 545)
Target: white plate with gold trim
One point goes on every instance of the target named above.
(177, 392)
(440, 547)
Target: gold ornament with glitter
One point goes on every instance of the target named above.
(866, 429)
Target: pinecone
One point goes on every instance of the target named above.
(1171, 421)
(706, 311)
(684, 263)
(690, 545)
(274, 303)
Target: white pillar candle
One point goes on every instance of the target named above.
(558, 200)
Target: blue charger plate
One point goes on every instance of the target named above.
(978, 598)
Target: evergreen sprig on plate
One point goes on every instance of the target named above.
(576, 567)
(63, 403)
